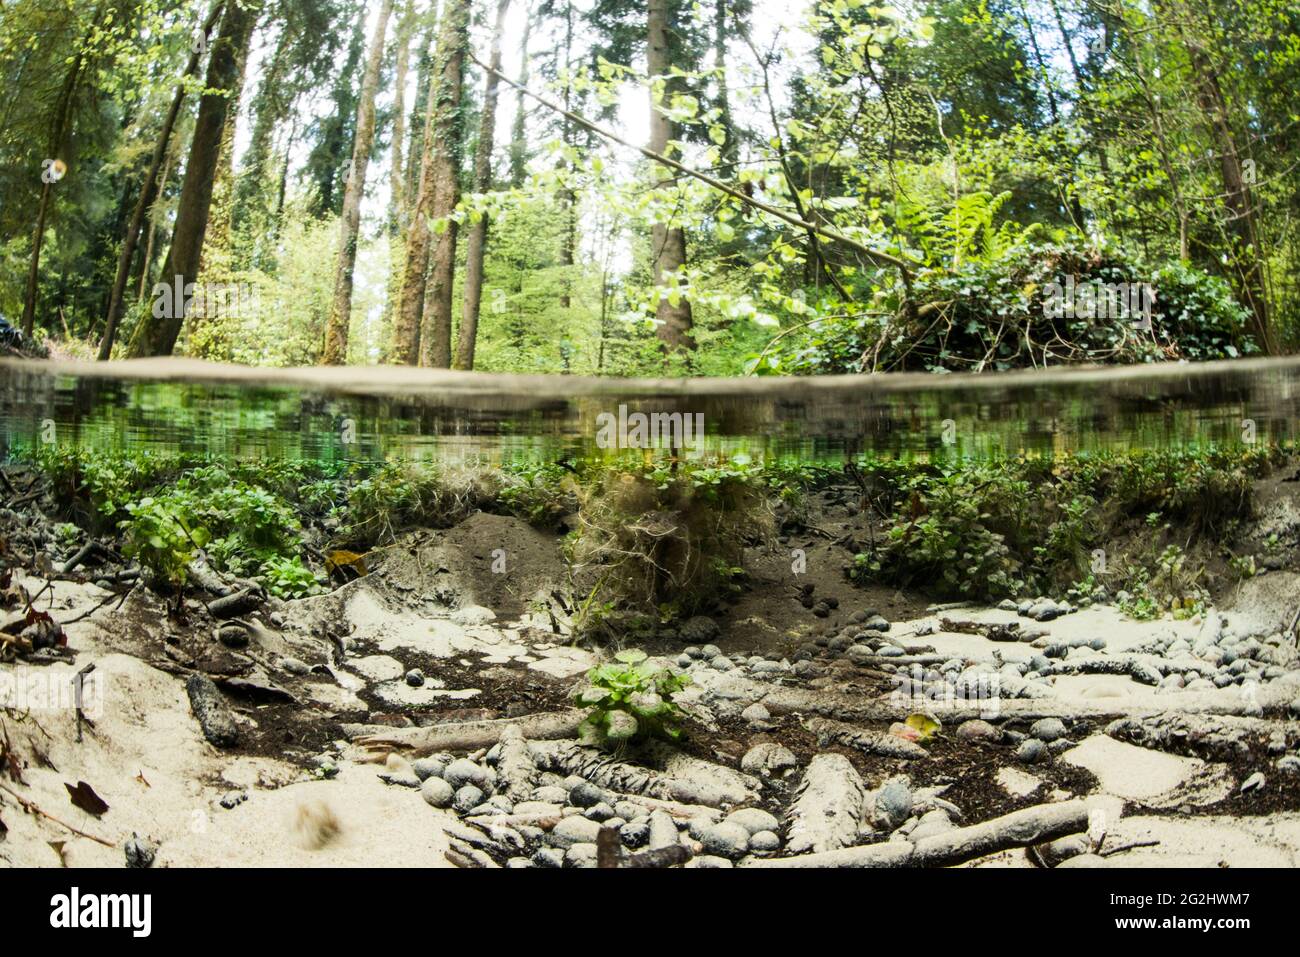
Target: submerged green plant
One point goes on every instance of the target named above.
(630, 699)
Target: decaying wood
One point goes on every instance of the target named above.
(734, 786)
(597, 767)
(462, 854)
(379, 742)
(1147, 673)
(1216, 737)
(543, 821)
(870, 742)
(669, 856)
(516, 773)
(233, 605)
(1272, 697)
(211, 711)
(827, 813)
(1023, 828)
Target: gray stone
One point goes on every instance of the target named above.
(708, 861)
(1031, 751)
(139, 852)
(894, 804)
(437, 792)
(977, 729)
(551, 794)
(630, 810)
(709, 652)
(1255, 782)
(467, 798)
(548, 857)
(756, 714)
(726, 839)
(768, 758)
(574, 829)
(860, 654)
(764, 841)
(463, 771)
(426, 768)
(580, 855)
(699, 630)
(415, 678)
(1288, 765)
(635, 834)
(518, 863)
(599, 812)
(754, 819)
(663, 832)
(1048, 729)
(587, 794)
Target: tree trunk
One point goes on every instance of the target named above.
(518, 131)
(438, 201)
(473, 292)
(568, 199)
(730, 151)
(1238, 203)
(408, 326)
(336, 332)
(397, 211)
(156, 335)
(58, 139)
(668, 242)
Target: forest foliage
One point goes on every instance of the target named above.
(844, 186)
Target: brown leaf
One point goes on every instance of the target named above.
(141, 778)
(57, 846)
(84, 797)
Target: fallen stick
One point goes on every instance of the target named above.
(1023, 828)
(33, 808)
(869, 742)
(82, 554)
(231, 606)
(465, 735)
(543, 821)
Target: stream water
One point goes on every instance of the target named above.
(377, 413)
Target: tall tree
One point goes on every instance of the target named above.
(336, 331)
(149, 190)
(518, 129)
(668, 242)
(60, 131)
(397, 208)
(472, 295)
(157, 332)
(440, 186)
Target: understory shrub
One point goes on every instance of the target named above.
(665, 541)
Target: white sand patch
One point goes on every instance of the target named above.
(1017, 783)
(378, 667)
(1207, 841)
(1128, 771)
